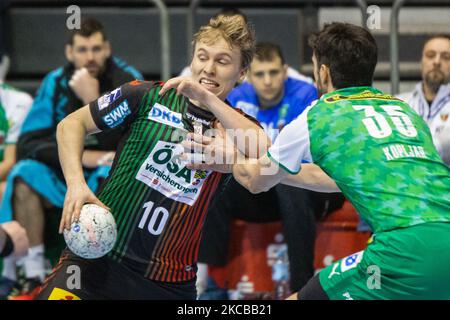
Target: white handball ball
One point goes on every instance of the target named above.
(94, 234)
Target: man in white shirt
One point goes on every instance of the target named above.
(431, 97)
(14, 107)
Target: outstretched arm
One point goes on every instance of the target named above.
(71, 131)
(257, 175)
(289, 150)
(70, 135)
(265, 174)
(260, 176)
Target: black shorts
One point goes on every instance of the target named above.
(77, 278)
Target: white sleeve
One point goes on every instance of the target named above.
(17, 105)
(292, 146)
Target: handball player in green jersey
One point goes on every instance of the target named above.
(380, 154)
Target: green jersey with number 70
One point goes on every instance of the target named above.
(379, 152)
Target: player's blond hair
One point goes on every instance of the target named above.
(234, 30)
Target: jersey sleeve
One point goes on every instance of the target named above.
(292, 146)
(119, 106)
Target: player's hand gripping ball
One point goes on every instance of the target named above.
(94, 234)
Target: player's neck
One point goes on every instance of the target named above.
(199, 105)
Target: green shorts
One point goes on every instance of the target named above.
(408, 263)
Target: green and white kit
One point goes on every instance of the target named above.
(381, 154)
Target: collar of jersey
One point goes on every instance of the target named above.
(350, 91)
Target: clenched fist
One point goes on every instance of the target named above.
(85, 86)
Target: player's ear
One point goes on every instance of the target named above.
(324, 72)
(242, 74)
(69, 52)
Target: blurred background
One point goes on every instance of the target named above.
(37, 34)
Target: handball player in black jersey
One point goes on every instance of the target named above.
(159, 204)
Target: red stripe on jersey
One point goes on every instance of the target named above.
(179, 244)
(201, 210)
(175, 239)
(165, 241)
(193, 216)
(53, 274)
(172, 252)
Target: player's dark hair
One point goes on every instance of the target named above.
(349, 51)
(88, 28)
(267, 51)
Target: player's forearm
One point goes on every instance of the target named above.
(244, 174)
(313, 178)
(70, 136)
(258, 177)
(230, 119)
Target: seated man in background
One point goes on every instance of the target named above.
(36, 183)
(431, 96)
(270, 95)
(14, 107)
(274, 99)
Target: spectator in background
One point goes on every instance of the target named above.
(270, 95)
(274, 99)
(14, 107)
(35, 185)
(431, 96)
